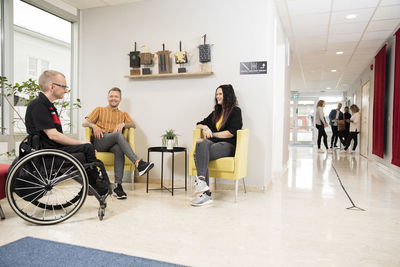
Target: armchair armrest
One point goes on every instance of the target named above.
(88, 134)
(242, 145)
(130, 136)
(197, 134)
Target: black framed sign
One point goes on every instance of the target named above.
(253, 67)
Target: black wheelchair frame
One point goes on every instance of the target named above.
(48, 186)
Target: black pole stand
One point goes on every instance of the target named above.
(354, 207)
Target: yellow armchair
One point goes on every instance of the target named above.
(108, 157)
(233, 168)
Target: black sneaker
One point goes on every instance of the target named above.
(143, 167)
(119, 192)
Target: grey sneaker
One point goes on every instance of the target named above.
(200, 186)
(201, 200)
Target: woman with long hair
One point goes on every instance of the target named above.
(321, 123)
(354, 127)
(219, 139)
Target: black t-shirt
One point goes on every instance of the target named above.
(40, 115)
(232, 124)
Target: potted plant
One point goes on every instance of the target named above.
(169, 139)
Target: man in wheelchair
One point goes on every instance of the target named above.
(42, 120)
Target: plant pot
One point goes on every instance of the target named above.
(170, 144)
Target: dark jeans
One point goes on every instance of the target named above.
(207, 151)
(87, 149)
(343, 136)
(335, 135)
(352, 136)
(322, 133)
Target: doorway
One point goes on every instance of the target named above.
(302, 112)
(364, 131)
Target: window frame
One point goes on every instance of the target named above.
(68, 13)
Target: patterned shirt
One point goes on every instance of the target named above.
(107, 118)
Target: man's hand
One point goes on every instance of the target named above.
(85, 142)
(97, 132)
(119, 127)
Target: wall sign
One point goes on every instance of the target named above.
(254, 67)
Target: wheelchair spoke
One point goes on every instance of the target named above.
(26, 181)
(32, 194)
(30, 202)
(40, 180)
(45, 169)
(62, 192)
(37, 171)
(66, 179)
(55, 175)
(61, 205)
(26, 188)
(62, 177)
(51, 168)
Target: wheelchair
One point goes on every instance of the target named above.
(48, 186)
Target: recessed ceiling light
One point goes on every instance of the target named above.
(328, 88)
(351, 16)
(333, 70)
(339, 53)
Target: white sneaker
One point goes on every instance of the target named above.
(200, 186)
(320, 150)
(201, 200)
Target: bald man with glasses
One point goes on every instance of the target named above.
(42, 119)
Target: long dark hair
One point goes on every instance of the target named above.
(228, 103)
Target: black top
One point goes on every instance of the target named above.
(40, 115)
(232, 124)
(347, 116)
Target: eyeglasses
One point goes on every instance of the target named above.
(63, 86)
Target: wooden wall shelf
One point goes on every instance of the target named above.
(169, 75)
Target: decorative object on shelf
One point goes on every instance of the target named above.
(169, 139)
(204, 51)
(169, 75)
(164, 61)
(146, 59)
(181, 58)
(134, 62)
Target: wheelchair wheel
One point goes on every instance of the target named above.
(47, 186)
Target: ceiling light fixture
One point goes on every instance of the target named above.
(328, 88)
(333, 70)
(339, 53)
(351, 16)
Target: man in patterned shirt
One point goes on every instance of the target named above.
(107, 124)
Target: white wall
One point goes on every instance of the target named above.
(240, 31)
(368, 75)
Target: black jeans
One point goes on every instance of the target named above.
(87, 149)
(321, 133)
(335, 135)
(352, 136)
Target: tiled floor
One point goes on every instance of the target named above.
(301, 220)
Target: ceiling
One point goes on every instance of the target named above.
(316, 30)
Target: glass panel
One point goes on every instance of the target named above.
(41, 41)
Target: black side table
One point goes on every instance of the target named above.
(164, 150)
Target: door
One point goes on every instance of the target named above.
(364, 132)
(302, 124)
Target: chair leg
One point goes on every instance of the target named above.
(2, 216)
(236, 189)
(244, 185)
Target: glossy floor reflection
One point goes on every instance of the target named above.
(301, 220)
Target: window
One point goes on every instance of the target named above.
(41, 41)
